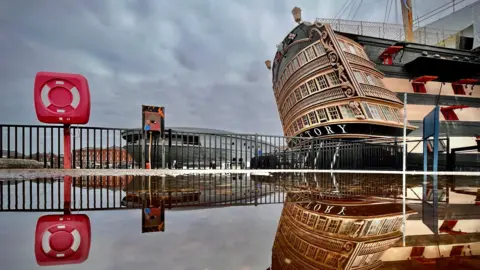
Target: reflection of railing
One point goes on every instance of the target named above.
(422, 35)
(213, 190)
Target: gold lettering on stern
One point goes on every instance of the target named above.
(342, 212)
(329, 208)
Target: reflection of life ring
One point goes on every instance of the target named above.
(60, 241)
(60, 96)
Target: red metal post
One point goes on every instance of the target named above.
(67, 164)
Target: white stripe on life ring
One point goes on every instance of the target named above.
(44, 96)
(76, 97)
(46, 242)
(76, 240)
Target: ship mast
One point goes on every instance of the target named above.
(407, 16)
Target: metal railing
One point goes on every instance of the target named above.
(422, 35)
(116, 148)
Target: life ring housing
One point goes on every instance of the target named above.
(61, 98)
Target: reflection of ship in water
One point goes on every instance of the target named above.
(322, 231)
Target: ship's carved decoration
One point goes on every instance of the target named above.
(334, 59)
(348, 247)
(356, 109)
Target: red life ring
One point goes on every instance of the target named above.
(60, 241)
(60, 96)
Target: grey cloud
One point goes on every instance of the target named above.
(203, 60)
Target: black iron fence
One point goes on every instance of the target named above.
(99, 147)
(91, 193)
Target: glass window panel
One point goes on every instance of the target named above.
(332, 76)
(359, 77)
(322, 115)
(305, 120)
(298, 95)
(347, 112)
(312, 117)
(304, 90)
(375, 111)
(310, 53)
(333, 112)
(312, 86)
(320, 49)
(322, 82)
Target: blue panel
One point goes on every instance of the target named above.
(430, 122)
(431, 127)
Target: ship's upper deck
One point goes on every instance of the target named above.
(414, 59)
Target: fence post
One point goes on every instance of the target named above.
(169, 148)
(163, 152)
(142, 152)
(256, 151)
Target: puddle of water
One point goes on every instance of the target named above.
(250, 221)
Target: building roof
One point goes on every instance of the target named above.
(455, 21)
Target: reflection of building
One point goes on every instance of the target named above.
(113, 182)
(327, 233)
(103, 157)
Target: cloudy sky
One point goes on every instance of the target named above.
(203, 60)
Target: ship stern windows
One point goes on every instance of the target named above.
(322, 82)
(388, 114)
(322, 115)
(298, 95)
(334, 113)
(333, 78)
(302, 60)
(342, 45)
(373, 112)
(347, 112)
(312, 86)
(310, 52)
(299, 123)
(352, 49)
(304, 90)
(370, 79)
(359, 77)
(313, 118)
(320, 49)
(306, 123)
